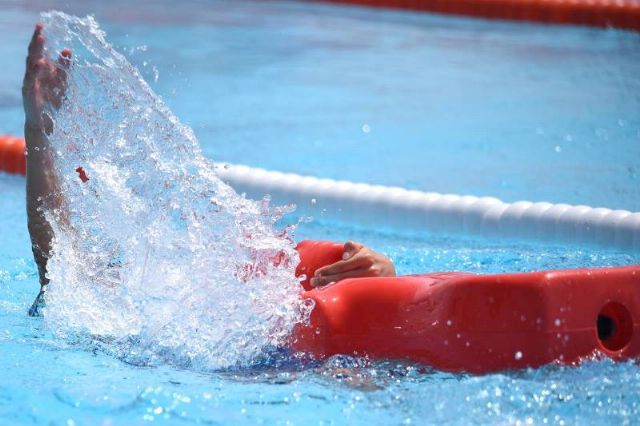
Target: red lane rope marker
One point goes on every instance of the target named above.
(12, 155)
(621, 14)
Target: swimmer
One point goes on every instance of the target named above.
(43, 88)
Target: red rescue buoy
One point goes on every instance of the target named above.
(474, 323)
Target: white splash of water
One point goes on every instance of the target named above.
(154, 253)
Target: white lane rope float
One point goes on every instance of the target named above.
(399, 208)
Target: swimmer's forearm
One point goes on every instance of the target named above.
(41, 194)
(44, 84)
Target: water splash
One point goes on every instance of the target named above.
(154, 254)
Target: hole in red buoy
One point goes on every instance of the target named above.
(615, 326)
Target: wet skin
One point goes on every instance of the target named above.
(43, 88)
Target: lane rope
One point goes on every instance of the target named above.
(395, 208)
(621, 14)
(398, 208)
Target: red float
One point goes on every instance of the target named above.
(623, 14)
(12, 155)
(474, 323)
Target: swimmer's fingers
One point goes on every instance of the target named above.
(54, 80)
(65, 58)
(60, 77)
(31, 86)
(322, 280)
(356, 266)
(358, 261)
(350, 249)
(365, 263)
(36, 47)
(64, 63)
(35, 64)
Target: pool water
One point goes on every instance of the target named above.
(492, 108)
(510, 110)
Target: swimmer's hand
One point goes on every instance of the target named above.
(357, 261)
(44, 84)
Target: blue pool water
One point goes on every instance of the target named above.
(510, 110)
(515, 111)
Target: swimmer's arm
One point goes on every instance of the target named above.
(42, 194)
(358, 261)
(43, 84)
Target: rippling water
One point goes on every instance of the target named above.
(84, 368)
(48, 379)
